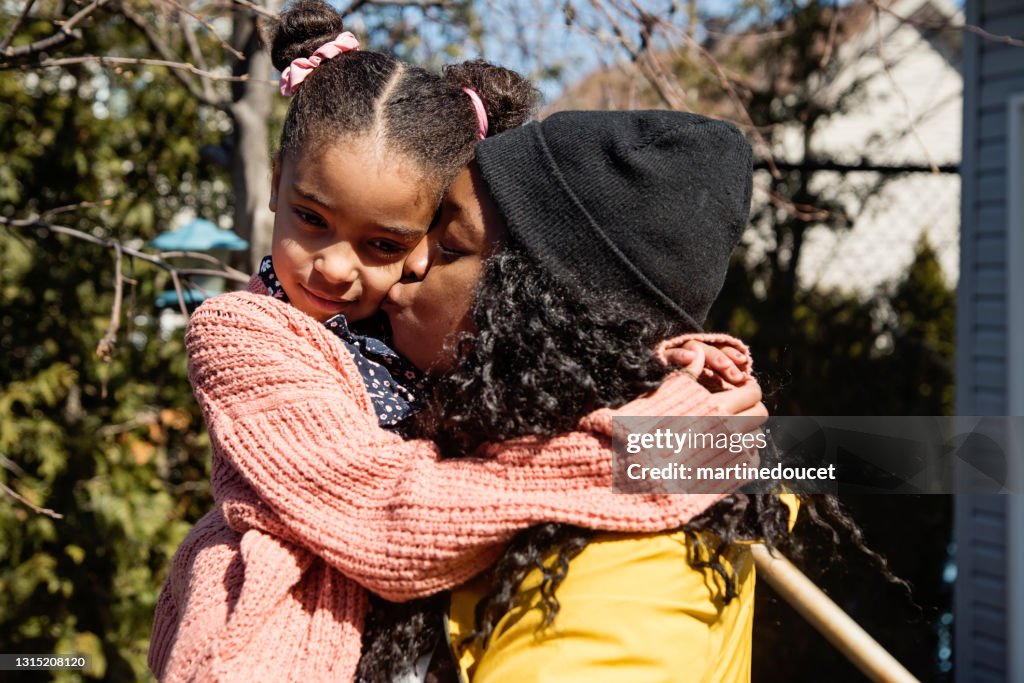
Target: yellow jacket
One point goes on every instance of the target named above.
(632, 608)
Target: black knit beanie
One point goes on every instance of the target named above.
(649, 204)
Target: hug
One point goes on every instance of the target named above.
(411, 406)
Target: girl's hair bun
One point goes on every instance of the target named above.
(300, 30)
(510, 99)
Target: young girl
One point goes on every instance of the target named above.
(306, 483)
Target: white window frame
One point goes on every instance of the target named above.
(1015, 388)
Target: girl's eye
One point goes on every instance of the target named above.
(388, 248)
(308, 217)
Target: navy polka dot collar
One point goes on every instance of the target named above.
(395, 386)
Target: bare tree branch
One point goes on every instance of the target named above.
(644, 62)
(138, 61)
(11, 466)
(188, 486)
(745, 113)
(66, 34)
(188, 272)
(907, 109)
(830, 45)
(169, 58)
(756, 36)
(49, 213)
(207, 25)
(648, 24)
(727, 84)
(17, 26)
(157, 260)
(181, 296)
(198, 255)
(188, 30)
(991, 37)
(18, 497)
(106, 345)
(803, 212)
(262, 11)
(143, 418)
(946, 26)
(356, 5)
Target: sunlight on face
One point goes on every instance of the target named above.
(426, 314)
(346, 216)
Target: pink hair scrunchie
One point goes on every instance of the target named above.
(301, 67)
(481, 113)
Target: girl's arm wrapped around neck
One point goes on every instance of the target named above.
(288, 414)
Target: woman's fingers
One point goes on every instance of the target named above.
(692, 357)
(680, 355)
(722, 363)
(726, 364)
(736, 355)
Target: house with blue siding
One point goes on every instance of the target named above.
(989, 530)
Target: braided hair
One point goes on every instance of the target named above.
(426, 117)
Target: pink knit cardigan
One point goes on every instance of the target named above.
(315, 504)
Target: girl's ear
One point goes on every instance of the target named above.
(275, 178)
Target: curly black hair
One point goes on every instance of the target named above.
(547, 351)
(425, 116)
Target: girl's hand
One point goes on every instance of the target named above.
(716, 368)
(744, 400)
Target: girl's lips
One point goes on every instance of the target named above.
(322, 302)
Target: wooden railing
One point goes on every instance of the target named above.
(828, 618)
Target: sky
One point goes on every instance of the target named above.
(532, 36)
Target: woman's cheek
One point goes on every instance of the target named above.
(460, 299)
(377, 281)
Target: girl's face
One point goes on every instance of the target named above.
(434, 298)
(346, 217)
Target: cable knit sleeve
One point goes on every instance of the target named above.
(711, 339)
(287, 411)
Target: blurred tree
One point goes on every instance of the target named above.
(117, 448)
(775, 69)
(887, 354)
(104, 459)
(890, 354)
(109, 446)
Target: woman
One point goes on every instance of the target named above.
(576, 244)
(589, 236)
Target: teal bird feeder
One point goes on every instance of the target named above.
(198, 235)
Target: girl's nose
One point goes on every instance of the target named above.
(417, 262)
(337, 263)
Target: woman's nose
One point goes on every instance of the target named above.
(338, 263)
(417, 262)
